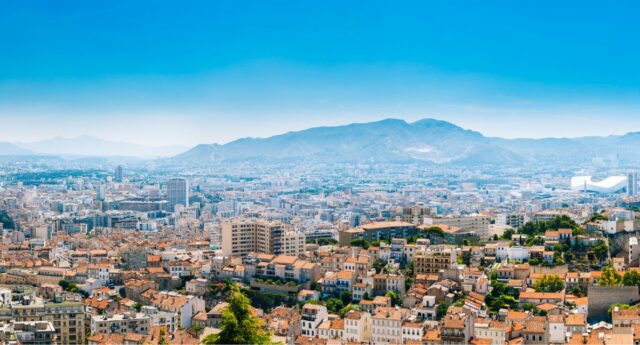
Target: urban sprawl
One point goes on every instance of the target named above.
(317, 255)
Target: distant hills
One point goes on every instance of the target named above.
(88, 146)
(394, 140)
(9, 149)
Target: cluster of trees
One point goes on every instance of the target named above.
(549, 283)
(501, 296)
(268, 300)
(561, 222)
(432, 233)
(323, 241)
(358, 242)
(535, 231)
(598, 251)
(340, 306)
(610, 277)
(68, 286)
(597, 216)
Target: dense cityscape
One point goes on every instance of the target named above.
(394, 254)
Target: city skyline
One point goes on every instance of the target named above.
(164, 75)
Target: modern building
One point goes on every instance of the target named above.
(610, 184)
(177, 192)
(118, 174)
(632, 183)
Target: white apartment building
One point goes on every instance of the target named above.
(312, 316)
(161, 318)
(386, 325)
(357, 326)
(494, 330)
(412, 331)
(120, 323)
(557, 332)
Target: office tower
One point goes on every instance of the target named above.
(632, 183)
(177, 192)
(118, 174)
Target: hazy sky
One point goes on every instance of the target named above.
(162, 72)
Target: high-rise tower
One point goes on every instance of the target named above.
(178, 192)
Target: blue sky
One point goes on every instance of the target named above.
(162, 72)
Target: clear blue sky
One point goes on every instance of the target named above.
(187, 72)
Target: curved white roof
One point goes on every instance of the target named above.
(608, 185)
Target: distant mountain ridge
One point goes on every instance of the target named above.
(9, 149)
(394, 140)
(94, 147)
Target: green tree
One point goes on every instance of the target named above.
(549, 283)
(507, 234)
(68, 286)
(239, 325)
(163, 339)
(609, 277)
(346, 297)
(334, 305)
(358, 242)
(441, 311)
(598, 216)
(631, 278)
(346, 309)
(393, 297)
(378, 265)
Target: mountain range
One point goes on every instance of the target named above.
(385, 141)
(394, 140)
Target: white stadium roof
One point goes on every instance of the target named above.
(610, 184)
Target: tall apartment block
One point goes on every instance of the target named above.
(243, 236)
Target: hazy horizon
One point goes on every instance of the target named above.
(159, 74)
